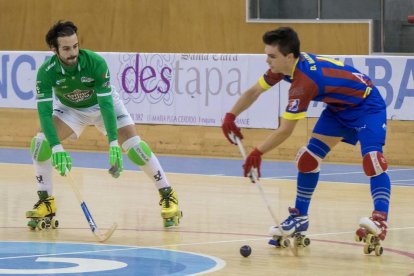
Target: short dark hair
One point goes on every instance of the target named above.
(60, 29)
(284, 37)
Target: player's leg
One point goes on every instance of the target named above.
(325, 136)
(372, 139)
(66, 123)
(308, 160)
(41, 154)
(141, 154)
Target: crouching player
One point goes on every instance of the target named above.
(80, 81)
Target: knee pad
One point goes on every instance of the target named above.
(374, 163)
(307, 161)
(137, 151)
(40, 148)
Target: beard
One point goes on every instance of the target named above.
(70, 61)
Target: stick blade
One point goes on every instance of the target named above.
(105, 236)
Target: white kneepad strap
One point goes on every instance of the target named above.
(374, 163)
(307, 161)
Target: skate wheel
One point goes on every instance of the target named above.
(41, 225)
(378, 250)
(32, 224)
(284, 242)
(358, 238)
(168, 223)
(367, 249)
(370, 239)
(305, 242)
(54, 223)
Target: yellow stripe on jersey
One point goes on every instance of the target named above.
(294, 68)
(263, 83)
(294, 116)
(367, 92)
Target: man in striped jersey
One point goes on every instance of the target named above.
(355, 111)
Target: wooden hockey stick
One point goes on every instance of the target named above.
(101, 237)
(254, 179)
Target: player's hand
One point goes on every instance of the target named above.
(229, 128)
(61, 160)
(253, 162)
(115, 159)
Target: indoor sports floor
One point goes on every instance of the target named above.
(222, 212)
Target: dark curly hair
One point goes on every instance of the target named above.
(60, 29)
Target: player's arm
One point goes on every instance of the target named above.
(44, 101)
(61, 160)
(247, 99)
(295, 110)
(278, 136)
(106, 105)
(105, 102)
(265, 82)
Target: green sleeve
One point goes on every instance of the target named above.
(44, 98)
(108, 114)
(104, 95)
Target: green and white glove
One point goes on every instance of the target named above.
(115, 159)
(61, 160)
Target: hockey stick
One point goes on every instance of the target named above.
(254, 179)
(101, 237)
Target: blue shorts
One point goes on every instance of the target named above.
(366, 123)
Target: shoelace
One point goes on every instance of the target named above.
(289, 219)
(46, 202)
(165, 201)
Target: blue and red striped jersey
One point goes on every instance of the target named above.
(322, 79)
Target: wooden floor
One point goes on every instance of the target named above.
(220, 215)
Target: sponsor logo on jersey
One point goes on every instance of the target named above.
(50, 66)
(58, 82)
(293, 105)
(87, 80)
(79, 95)
(106, 84)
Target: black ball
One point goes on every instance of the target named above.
(245, 250)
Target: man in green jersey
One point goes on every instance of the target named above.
(84, 96)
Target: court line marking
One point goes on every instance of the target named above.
(128, 247)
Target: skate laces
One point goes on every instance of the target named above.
(46, 203)
(165, 200)
(294, 213)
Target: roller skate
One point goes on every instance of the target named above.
(170, 213)
(372, 231)
(293, 228)
(43, 213)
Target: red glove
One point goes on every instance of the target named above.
(229, 126)
(253, 161)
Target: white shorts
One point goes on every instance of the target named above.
(78, 119)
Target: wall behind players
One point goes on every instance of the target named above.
(180, 26)
(196, 26)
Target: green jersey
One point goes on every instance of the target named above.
(81, 86)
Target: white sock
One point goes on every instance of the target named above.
(154, 171)
(43, 173)
(152, 168)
